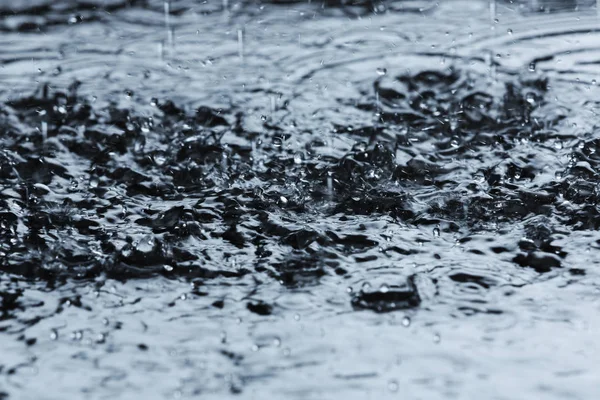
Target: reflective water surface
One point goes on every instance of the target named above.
(299, 200)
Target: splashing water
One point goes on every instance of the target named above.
(341, 204)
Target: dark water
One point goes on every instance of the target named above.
(323, 200)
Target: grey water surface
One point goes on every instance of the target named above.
(299, 200)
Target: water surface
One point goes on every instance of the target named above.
(302, 200)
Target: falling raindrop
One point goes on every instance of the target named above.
(240, 39)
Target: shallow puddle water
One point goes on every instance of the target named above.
(299, 200)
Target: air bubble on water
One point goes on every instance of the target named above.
(436, 232)
(297, 317)
(349, 289)
(509, 31)
(406, 322)
(532, 67)
(437, 338)
(53, 334)
(530, 98)
(381, 71)
(283, 200)
(393, 385)
(384, 288)
(287, 351)
(167, 268)
(366, 286)
(297, 159)
(276, 342)
(254, 348)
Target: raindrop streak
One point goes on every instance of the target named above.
(493, 14)
(240, 38)
(44, 130)
(493, 20)
(167, 6)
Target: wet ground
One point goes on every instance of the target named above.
(348, 199)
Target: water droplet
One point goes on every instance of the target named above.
(406, 322)
(381, 71)
(159, 159)
(437, 338)
(558, 144)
